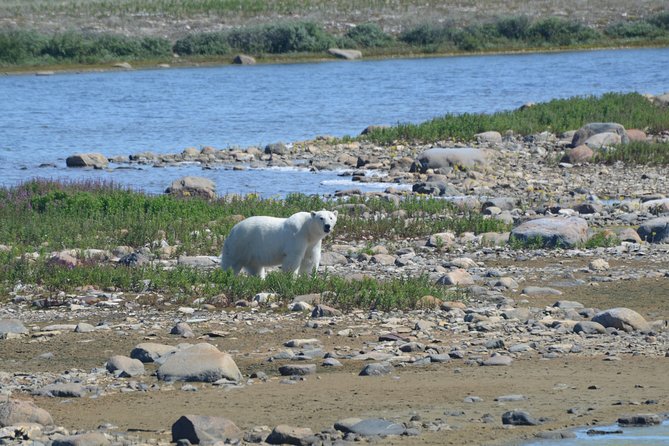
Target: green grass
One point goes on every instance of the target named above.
(42, 215)
(631, 110)
(636, 152)
(186, 284)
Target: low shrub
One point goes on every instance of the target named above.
(369, 35)
(556, 31)
(209, 44)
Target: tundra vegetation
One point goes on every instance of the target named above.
(23, 47)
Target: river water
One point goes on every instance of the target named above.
(44, 119)
(631, 436)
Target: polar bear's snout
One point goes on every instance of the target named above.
(327, 228)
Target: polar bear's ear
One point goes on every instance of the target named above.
(313, 213)
(335, 213)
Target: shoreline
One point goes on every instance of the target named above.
(288, 60)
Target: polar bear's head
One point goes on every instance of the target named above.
(326, 219)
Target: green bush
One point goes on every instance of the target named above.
(209, 44)
(281, 38)
(556, 31)
(514, 28)
(20, 46)
(428, 34)
(660, 20)
(633, 30)
(369, 35)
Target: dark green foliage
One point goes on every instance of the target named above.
(661, 20)
(631, 110)
(203, 44)
(428, 34)
(514, 28)
(556, 31)
(634, 30)
(369, 35)
(280, 38)
(20, 46)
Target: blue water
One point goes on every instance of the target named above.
(43, 119)
(631, 436)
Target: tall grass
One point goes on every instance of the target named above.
(631, 110)
(637, 152)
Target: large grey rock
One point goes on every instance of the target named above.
(201, 362)
(95, 160)
(372, 427)
(125, 367)
(655, 230)
(518, 418)
(377, 369)
(658, 206)
(243, 59)
(150, 352)
(85, 439)
(458, 277)
(21, 411)
(552, 231)
(440, 188)
(284, 434)
(588, 130)
(63, 390)
(589, 328)
(12, 327)
(645, 419)
(297, 369)
(601, 140)
(200, 429)
(490, 137)
(622, 319)
(438, 158)
(345, 54)
(189, 186)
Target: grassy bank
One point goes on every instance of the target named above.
(632, 110)
(22, 47)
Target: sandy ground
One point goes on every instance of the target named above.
(434, 392)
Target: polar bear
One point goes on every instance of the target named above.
(293, 242)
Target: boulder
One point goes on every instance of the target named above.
(372, 427)
(605, 139)
(589, 328)
(85, 439)
(440, 188)
(94, 160)
(552, 231)
(243, 59)
(124, 367)
(9, 327)
(657, 206)
(580, 154)
(518, 418)
(459, 277)
(284, 434)
(655, 230)
(377, 369)
(22, 411)
(636, 135)
(192, 187)
(64, 259)
(201, 362)
(345, 54)
(594, 128)
(150, 352)
(62, 390)
(622, 319)
(439, 158)
(489, 137)
(199, 429)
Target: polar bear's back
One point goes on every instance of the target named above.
(261, 240)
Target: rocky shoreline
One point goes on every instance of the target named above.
(545, 339)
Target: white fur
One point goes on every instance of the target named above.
(294, 243)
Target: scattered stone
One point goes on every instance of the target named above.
(649, 419)
(189, 186)
(297, 369)
(200, 429)
(85, 439)
(150, 352)
(284, 434)
(377, 369)
(372, 427)
(518, 418)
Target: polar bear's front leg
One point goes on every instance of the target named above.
(292, 261)
(312, 259)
